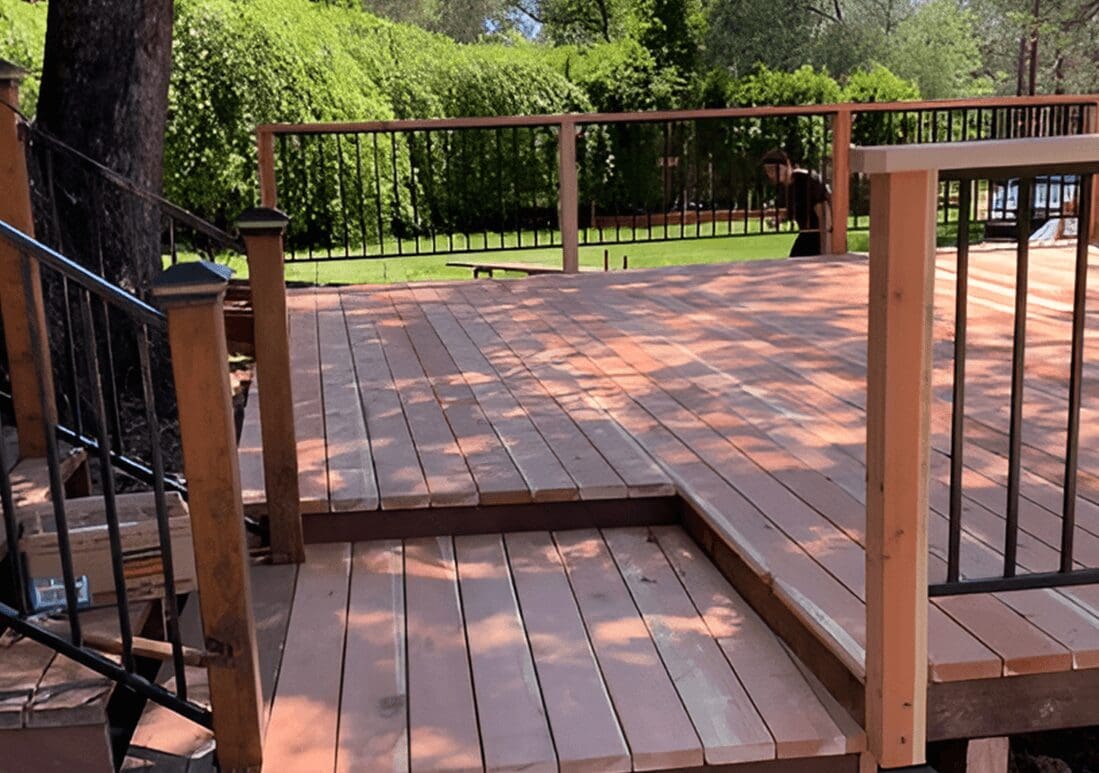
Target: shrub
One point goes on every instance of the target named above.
(22, 34)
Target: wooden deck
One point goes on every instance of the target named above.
(575, 651)
(741, 388)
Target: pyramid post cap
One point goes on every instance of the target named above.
(262, 220)
(191, 282)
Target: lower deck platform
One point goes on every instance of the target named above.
(613, 650)
(740, 389)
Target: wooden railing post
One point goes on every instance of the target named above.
(21, 291)
(902, 264)
(192, 295)
(263, 231)
(568, 196)
(841, 180)
(268, 187)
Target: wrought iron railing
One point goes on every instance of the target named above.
(1069, 571)
(25, 610)
(991, 204)
(427, 187)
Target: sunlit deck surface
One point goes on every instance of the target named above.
(738, 388)
(578, 650)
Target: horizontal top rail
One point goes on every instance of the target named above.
(82, 276)
(187, 218)
(1030, 153)
(656, 116)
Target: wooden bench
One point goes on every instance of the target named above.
(530, 269)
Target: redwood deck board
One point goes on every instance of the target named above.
(741, 387)
(595, 476)
(308, 404)
(585, 728)
(373, 731)
(302, 729)
(728, 723)
(442, 716)
(351, 480)
(657, 727)
(495, 652)
(445, 468)
(515, 734)
(546, 478)
(497, 478)
(401, 482)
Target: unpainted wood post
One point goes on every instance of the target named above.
(192, 295)
(841, 180)
(568, 196)
(263, 231)
(902, 264)
(268, 187)
(34, 402)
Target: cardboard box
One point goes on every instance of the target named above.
(91, 549)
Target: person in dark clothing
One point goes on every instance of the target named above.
(805, 199)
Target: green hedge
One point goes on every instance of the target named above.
(22, 32)
(239, 63)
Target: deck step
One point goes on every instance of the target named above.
(53, 709)
(165, 741)
(612, 649)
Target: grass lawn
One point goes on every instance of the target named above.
(646, 255)
(641, 255)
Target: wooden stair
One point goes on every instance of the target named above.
(165, 741)
(595, 650)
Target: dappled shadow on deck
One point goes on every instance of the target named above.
(740, 387)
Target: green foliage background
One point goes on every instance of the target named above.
(239, 63)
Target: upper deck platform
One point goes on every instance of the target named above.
(741, 389)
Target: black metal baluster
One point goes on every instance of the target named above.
(42, 363)
(70, 349)
(167, 561)
(310, 211)
(516, 186)
(11, 529)
(342, 197)
(413, 192)
(665, 174)
(378, 194)
(283, 159)
(172, 247)
(432, 204)
(534, 188)
(396, 191)
(106, 475)
(957, 426)
(1018, 364)
(361, 188)
(322, 188)
(1076, 374)
(500, 184)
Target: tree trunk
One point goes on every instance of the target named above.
(105, 92)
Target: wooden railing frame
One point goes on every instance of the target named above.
(22, 302)
(903, 190)
(841, 116)
(192, 296)
(263, 230)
